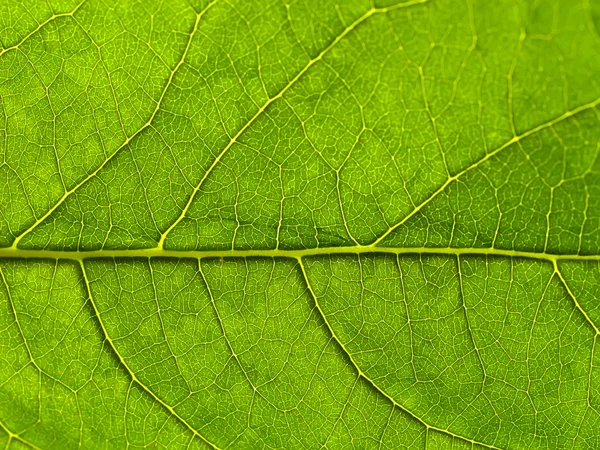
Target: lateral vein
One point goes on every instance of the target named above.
(369, 380)
(128, 139)
(258, 113)
(482, 160)
(128, 369)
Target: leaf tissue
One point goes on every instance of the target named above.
(300, 224)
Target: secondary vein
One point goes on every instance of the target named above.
(260, 111)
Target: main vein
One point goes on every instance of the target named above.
(12, 253)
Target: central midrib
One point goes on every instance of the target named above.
(17, 253)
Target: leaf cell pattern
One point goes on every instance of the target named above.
(308, 224)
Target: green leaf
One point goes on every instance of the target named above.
(309, 224)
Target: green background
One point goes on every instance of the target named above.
(300, 224)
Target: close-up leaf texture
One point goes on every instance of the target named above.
(300, 224)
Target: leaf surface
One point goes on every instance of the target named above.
(310, 224)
